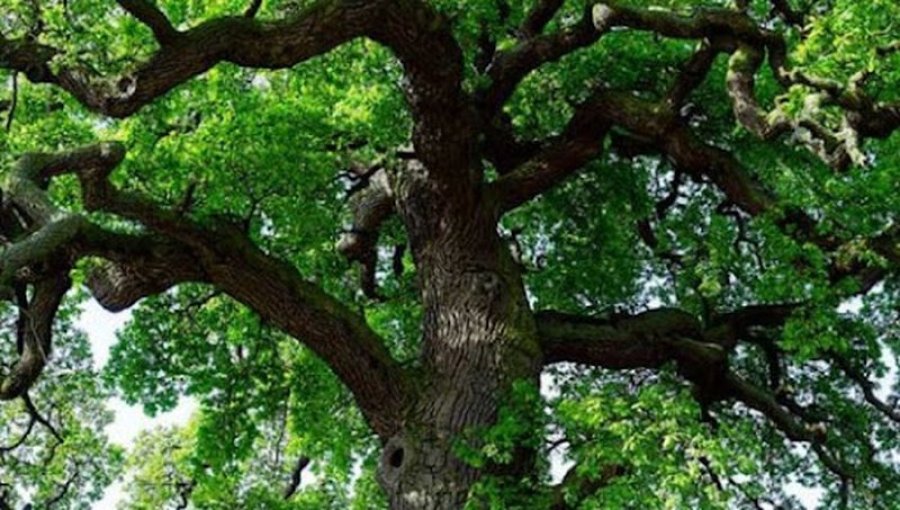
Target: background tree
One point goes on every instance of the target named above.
(680, 216)
(53, 453)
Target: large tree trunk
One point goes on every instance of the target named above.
(479, 337)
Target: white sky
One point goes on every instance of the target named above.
(130, 421)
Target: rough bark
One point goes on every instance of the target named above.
(478, 338)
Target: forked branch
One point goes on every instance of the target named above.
(175, 250)
(659, 337)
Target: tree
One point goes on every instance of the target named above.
(683, 215)
(53, 452)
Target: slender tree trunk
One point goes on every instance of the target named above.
(479, 337)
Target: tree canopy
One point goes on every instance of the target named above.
(679, 216)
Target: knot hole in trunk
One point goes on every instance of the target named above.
(394, 459)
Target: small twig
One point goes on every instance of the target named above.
(33, 410)
(888, 49)
(399, 252)
(64, 489)
(21, 441)
(711, 472)
(14, 102)
(185, 489)
(38, 28)
(188, 201)
(4, 496)
(294, 484)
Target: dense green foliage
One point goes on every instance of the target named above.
(267, 148)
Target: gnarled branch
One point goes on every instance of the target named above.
(371, 206)
(34, 332)
(581, 142)
(538, 17)
(178, 249)
(417, 34)
(657, 337)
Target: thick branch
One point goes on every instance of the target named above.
(693, 73)
(655, 123)
(512, 66)
(417, 34)
(179, 250)
(709, 23)
(38, 234)
(788, 13)
(224, 256)
(867, 117)
(741, 80)
(137, 266)
(721, 30)
(581, 142)
(541, 14)
(371, 207)
(657, 337)
(728, 328)
(792, 427)
(35, 330)
(837, 150)
(501, 147)
(659, 129)
(647, 340)
(315, 31)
